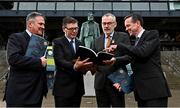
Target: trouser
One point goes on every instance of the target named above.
(109, 97)
(159, 102)
(74, 101)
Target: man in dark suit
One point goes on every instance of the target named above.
(150, 86)
(68, 85)
(106, 94)
(27, 81)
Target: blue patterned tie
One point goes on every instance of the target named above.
(72, 47)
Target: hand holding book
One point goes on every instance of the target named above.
(37, 46)
(82, 65)
(96, 58)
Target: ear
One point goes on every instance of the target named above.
(138, 23)
(63, 28)
(30, 24)
(115, 24)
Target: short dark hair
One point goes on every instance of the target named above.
(135, 17)
(68, 20)
(33, 15)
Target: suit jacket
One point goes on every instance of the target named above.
(27, 79)
(104, 71)
(67, 81)
(149, 80)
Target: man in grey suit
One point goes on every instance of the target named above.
(150, 86)
(27, 80)
(106, 94)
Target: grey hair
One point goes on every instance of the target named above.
(110, 14)
(33, 15)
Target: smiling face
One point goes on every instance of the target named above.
(71, 30)
(133, 27)
(36, 25)
(108, 24)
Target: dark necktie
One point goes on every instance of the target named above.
(108, 41)
(136, 41)
(72, 47)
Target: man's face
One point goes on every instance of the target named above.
(131, 27)
(71, 30)
(108, 24)
(37, 26)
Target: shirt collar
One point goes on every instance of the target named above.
(111, 35)
(140, 33)
(28, 32)
(70, 39)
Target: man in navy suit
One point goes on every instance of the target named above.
(27, 81)
(150, 85)
(68, 86)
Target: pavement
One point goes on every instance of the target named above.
(90, 101)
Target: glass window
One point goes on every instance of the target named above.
(159, 6)
(140, 6)
(177, 5)
(121, 6)
(102, 6)
(84, 6)
(46, 6)
(15, 6)
(27, 5)
(65, 6)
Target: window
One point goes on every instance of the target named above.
(84, 6)
(121, 6)
(27, 5)
(102, 6)
(159, 6)
(46, 6)
(65, 6)
(140, 6)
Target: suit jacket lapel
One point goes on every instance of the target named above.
(115, 37)
(27, 37)
(67, 44)
(102, 41)
(142, 38)
(77, 43)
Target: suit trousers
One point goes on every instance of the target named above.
(160, 102)
(38, 104)
(74, 101)
(109, 96)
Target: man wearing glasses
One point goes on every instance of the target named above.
(68, 85)
(106, 93)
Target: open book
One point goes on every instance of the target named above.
(97, 58)
(37, 46)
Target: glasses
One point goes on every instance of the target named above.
(108, 23)
(72, 29)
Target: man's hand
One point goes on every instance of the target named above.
(83, 65)
(111, 48)
(109, 62)
(117, 86)
(43, 61)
